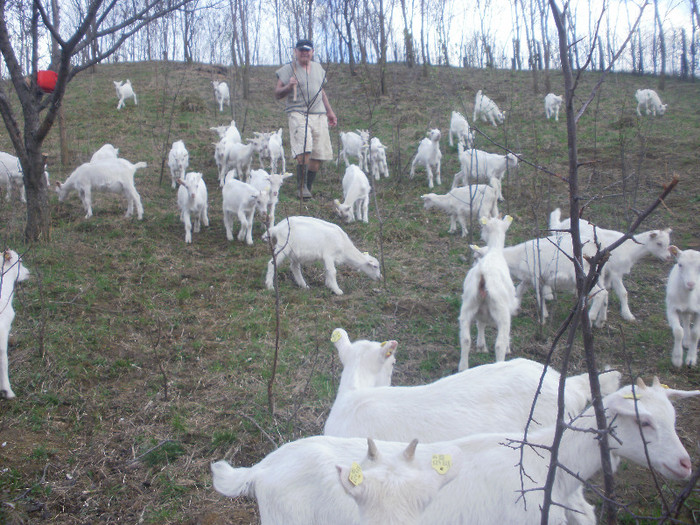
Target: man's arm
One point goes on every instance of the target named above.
(332, 119)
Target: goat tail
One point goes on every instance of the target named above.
(555, 219)
(140, 165)
(231, 481)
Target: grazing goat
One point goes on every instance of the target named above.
(241, 200)
(622, 258)
(222, 94)
(486, 109)
(429, 155)
(178, 161)
(451, 407)
(192, 201)
(356, 190)
(261, 180)
(650, 101)
(396, 489)
(683, 305)
(482, 167)
(124, 91)
(354, 144)
(464, 203)
(13, 271)
(488, 294)
(552, 103)
(297, 483)
(111, 176)
(378, 165)
(11, 174)
(307, 239)
(459, 127)
(545, 265)
(106, 152)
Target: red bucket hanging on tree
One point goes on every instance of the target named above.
(46, 80)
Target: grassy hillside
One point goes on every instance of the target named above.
(138, 359)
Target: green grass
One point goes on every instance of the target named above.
(120, 312)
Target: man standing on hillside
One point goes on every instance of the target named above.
(309, 113)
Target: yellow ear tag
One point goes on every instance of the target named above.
(664, 386)
(441, 463)
(484, 220)
(632, 396)
(335, 336)
(355, 477)
(388, 352)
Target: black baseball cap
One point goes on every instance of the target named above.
(304, 45)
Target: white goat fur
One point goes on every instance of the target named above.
(221, 93)
(11, 174)
(237, 159)
(356, 190)
(106, 152)
(241, 200)
(270, 145)
(297, 483)
(124, 91)
(378, 165)
(650, 101)
(544, 265)
(624, 257)
(483, 167)
(178, 161)
(192, 201)
(464, 203)
(354, 144)
(12, 271)
(488, 294)
(552, 103)
(111, 176)
(307, 239)
(486, 109)
(429, 155)
(683, 306)
(228, 135)
(459, 127)
(261, 180)
(396, 489)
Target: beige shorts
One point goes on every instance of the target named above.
(318, 141)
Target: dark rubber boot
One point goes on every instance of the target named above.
(303, 192)
(310, 177)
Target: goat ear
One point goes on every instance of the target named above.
(624, 404)
(389, 347)
(675, 251)
(508, 219)
(7, 255)
(484, 220)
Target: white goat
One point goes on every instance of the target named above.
(451, 407)
(486, 109)
(429, 155)
(356, 190)
(464, 203)
(354, 144)
(192, 201)
(13, 271)
(396, 489)
(459, 127)
(683, 305)
(488, 294)
(483, 167)
(297, 483)
(124, 91)
(228, 136)
(650, 101)
(11, 174)
(276, 150)
(237, 159)
(111, 176)
(178, 161)
(241, 200)
(545, 265)
(261, 180)
(222, 94)
(106, 152)
(552, 103)
(624, 257)
(307, 239)
(231, 130)
(378, 165)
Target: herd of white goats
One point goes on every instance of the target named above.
(363, 470)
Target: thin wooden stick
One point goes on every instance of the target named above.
(294, 87)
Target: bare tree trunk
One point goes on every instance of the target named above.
(407, 37)
(382, 49)
(422, 37)
(684, 57)
(243, 14)
(662, 46)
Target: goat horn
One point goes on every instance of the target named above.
(372, 452)
(410, 451)
(640, 383)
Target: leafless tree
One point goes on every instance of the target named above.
(40, 110)
(662, 46)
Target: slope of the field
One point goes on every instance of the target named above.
(137, 359)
